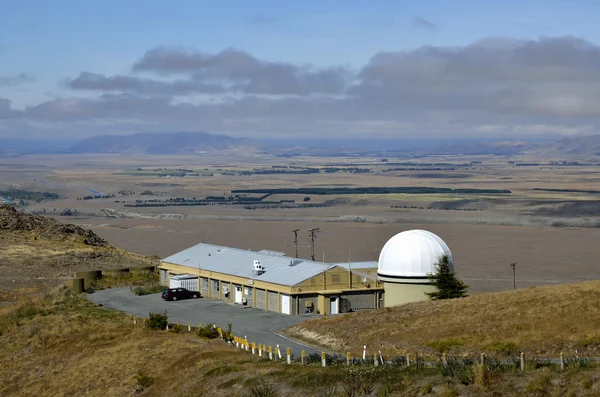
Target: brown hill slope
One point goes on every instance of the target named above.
(36, 249)
(540, 321)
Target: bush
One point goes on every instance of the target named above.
(262, 390)
(444, 345)
(177, 328)
(503, 348)
(306, 198)
(227, 335)
(208, 331)
(144, 380)
(154, 289)
(157, 321)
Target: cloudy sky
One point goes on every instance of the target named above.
(513, 69)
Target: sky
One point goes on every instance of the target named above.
(504, 70)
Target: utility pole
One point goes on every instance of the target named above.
(312, 236)
(295, 231)
(514, 268)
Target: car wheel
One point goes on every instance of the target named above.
(174, 298)
(194, 296)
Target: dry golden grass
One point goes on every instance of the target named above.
(57, 344)
(539, 321)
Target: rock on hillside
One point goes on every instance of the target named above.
(12, 220)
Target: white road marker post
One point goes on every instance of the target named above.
(323, 359)
(253, 347)
(189, 327)
(562, 361)
(364, 352)
(522, 357)
(279, 352)
(376, 359)
(270, 352)
(260, 350)
(381, 357)
(289, 356)
(134, 320)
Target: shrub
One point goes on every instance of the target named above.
(262, 390)
(154, 289)
(177, 328)
(208, 331)
(503, 348)
(540, 384)
(157, 321)
(227, 335)
(306, 198)
(143, 379)
(444, 345)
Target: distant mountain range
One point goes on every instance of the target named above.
(198, 142)
(160, 143)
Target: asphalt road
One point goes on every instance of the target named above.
(256, 325)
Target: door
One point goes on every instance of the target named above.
(238, 294)
(285, 304)
(334, 305)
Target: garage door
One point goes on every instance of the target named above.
(286, 304)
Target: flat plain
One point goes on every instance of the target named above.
(550, 233)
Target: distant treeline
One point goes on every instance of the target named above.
(568, 190)
(401, 164)
(372, 190)
(19, 194)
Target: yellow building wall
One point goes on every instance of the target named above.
(399, 294)
(335, 279)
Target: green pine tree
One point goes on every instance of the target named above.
(445, 280)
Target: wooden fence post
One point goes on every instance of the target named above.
(303, 357)
(323, 359)
(522, 357)
(483, 359)
(562, 361)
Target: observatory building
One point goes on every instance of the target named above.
(272, 281)
(406, 261)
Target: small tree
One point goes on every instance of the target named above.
(447, 284)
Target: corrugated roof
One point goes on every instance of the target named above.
(358, 265)
(282, 270)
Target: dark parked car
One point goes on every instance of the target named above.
(173, 294)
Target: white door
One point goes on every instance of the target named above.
(333, 305)
(238, 294)
(285, 304)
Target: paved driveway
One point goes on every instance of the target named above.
(257, 325)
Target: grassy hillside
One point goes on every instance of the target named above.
(540, 321)
(38, 250)
(58, 344)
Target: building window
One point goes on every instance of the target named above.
(215, 285)
(335, 278)
(246, 291)
(204, 284)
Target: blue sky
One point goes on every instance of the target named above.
(45, 44)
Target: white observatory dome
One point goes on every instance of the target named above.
(411, 255)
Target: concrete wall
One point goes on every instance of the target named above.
(359, 300)
(249, 295)
(204, 285)
(164, 277)
(399, 294)
(305, 298)
(261, 299)
(273, 302)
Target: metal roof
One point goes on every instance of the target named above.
(279, 269)
(358, 265)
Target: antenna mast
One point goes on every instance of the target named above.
(295, 231)
(312, 236)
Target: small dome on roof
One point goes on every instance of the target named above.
(412, 254)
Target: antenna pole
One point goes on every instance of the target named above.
(295, 231)
(350, 268)
(312, 236)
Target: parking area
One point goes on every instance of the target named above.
(257, 325)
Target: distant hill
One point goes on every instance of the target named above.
(585, 146)
(161, 143)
